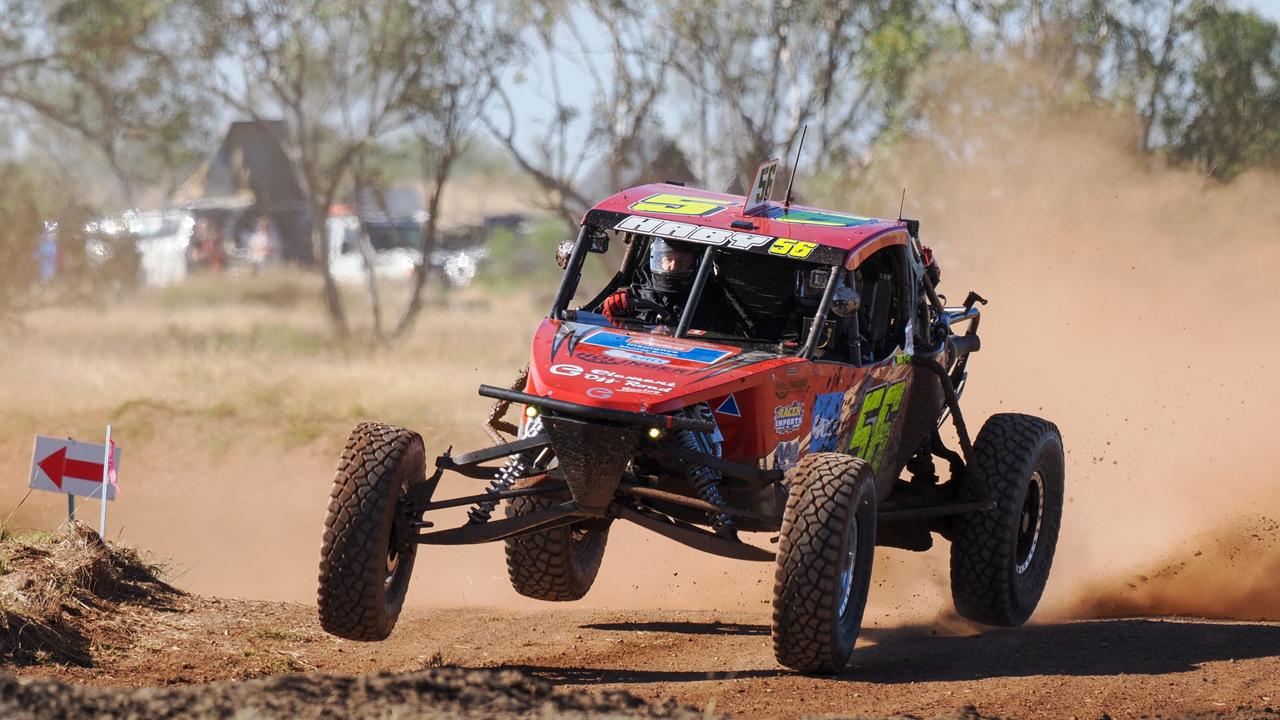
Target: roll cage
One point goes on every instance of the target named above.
(892, 295)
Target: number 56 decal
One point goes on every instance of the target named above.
(880, 408)
(792, 248)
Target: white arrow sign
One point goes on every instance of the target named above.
(62, 465)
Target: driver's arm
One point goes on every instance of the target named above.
(617, 305)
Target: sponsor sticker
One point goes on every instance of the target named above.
(566, 370)
(788, 418)
(628, 383)
(600, 393)
(816, 217)
(636, 357)
(783, 388)
(643, 390)
(729, 407)
(786, 455)
(656, 348)
(825, 435)
(694, 233)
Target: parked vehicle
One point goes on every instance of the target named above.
(395, 247)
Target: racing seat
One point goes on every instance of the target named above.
(877, 297)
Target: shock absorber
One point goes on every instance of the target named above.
(516, 466)
(706, 481)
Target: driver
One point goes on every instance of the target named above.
(661, 295)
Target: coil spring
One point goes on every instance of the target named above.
(705, 481)
(516, 466)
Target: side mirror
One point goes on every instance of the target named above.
(845, 301)
(563, 251)
(599, 244)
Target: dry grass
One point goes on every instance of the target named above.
(64, 595)
(258, 350)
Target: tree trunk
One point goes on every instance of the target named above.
(320, 246)
(429, 233)
(371, 282)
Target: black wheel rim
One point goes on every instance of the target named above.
(393, 558)
(848, 566)
(1029, 523)
(579, 538)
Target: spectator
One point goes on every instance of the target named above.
(262, 243)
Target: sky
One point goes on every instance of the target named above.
(1269, 8)
(530, 87)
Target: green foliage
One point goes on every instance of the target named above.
(1229, 118)
(522, 262)
(529, 262)
(279, 288)
(114, 75)
(33, 537)
(20, 229)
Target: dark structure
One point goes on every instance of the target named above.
(251, 175)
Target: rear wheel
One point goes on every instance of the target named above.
(365, 562)
(559, 564)
(825, 551)
(1000, 558)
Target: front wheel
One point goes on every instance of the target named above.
(559, 564)
(825, 551)
(1000, 558)
(365, 561)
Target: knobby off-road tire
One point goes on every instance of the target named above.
(364, 563)
(1000, 559)
(558, 564)
(825, 551)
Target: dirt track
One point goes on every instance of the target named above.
(722, 662)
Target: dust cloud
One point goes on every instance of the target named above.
(1131, 304)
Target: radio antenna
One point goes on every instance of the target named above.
(902, 203)
(791, 181)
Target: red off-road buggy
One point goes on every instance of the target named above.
(815, 420)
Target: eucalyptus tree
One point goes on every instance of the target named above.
(110, 76)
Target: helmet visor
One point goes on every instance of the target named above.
(667, 259)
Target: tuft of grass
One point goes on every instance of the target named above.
(283, 288)
(133, 405)
(301, 434)
(281, 634)
(283, 665)
(221, 409)
(32, 538)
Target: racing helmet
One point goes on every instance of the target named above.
(671, 265)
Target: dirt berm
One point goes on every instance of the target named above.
(435, 693)
(89, 630)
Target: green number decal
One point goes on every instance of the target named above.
(669, 204)
(880, 407)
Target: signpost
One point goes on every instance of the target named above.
(66, 466)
